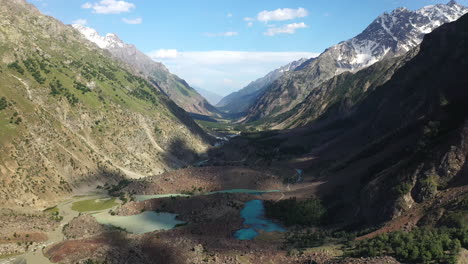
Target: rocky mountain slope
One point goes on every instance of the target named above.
(240, 101)
(71, 117)
(173, 86)
(387, 36)
(399, 151)
(335, 97)
(415, 129)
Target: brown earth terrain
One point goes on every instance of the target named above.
(210, 179)
(209, 235)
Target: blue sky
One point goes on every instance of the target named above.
(222, 45)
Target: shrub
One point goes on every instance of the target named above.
(18, 121)
(57, 88)
(15, 66)
(142, 94)
(83, 88)
(403, 188)
(3, 103)
(115, 189)
(32, 68)
(455, 220)
(292, 212)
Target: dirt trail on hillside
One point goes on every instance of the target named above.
(28, 91)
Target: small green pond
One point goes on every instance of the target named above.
(94, 205)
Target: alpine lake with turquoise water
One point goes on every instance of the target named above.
(145, 222)
(253, 214)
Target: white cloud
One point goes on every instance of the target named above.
(109, 7)
(282, 14)
(218, 57)
(164, 54)
(222, 34)
(224, 71)
(80, 21)
(286, 29)
(229, 34)
(135, 21)
(87, 6)
(249, 21)
(229, 15)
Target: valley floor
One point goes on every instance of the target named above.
(207, 238)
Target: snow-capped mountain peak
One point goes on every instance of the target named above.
(389, 35)
(110, 40)
(121, 50)
(392, 34)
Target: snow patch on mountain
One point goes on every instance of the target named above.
(392, 34)
(104, 42)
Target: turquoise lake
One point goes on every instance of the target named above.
(253, 214)
(141, 223)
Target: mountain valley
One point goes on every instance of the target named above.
(356, 156)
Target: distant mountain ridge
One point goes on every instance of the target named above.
(389, 35)
(176, 88)
(241, 100)
(212, 97)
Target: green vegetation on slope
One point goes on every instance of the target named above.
(71, 114)
(32, 67)
(15, 66)
(422, 245)
(57, 89)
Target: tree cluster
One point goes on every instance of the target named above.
(422, 245)
(293, 212)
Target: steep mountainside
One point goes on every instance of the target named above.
(387, 36)
(335, 97)
(402, 146)
(241, 100)
(173, 86)
(409, 137)
(72, 117)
